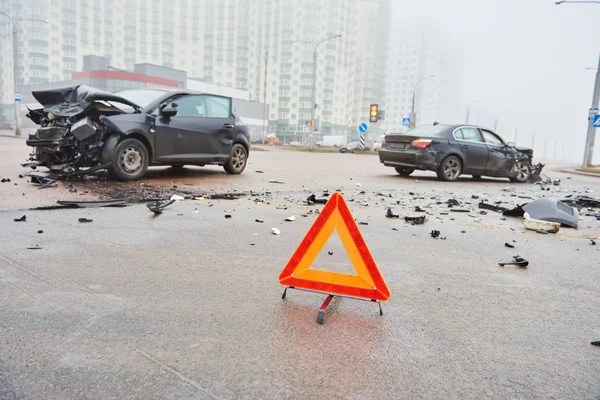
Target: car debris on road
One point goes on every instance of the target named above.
(517, 260)
(85, 220)
(158, 207)
(22, 219)
(416, 220)
(390, 214)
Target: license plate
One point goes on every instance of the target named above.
(398, 146)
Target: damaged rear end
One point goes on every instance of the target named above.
(71, 134)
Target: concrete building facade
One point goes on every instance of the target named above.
(420, 47)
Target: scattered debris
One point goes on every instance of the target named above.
(259, 221)
(510, 245)
(536, 170)
(475, 197)
(227, 216)
(85, 220)
(419, 209)
(22, 219)
(435, 234)
(177, 197)
(90, 204)
(21, 176)
(275, 231)
(36, 247)
(276, 181)
(582, 202)
(483, 212)
(537, 225)
(363, 223)
(390, 214)
(291, 218)
(358, 184)
(508, 189)
(312, 199)
(394, 229)
(260, 172)
(452, 203)
(592, 242)
(462, 210)
(71, 188)
(416, 220)
(552, 210)
(556, 182)
(515, 212)
(492, 207)
(158, 207)
(595, 343)
(463, 231)
(40, 231)
(330, 253)
(518, 261)
(3, 180)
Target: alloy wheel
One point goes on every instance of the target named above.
(238, 159)
(451, 168)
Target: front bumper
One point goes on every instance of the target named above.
(418, 159)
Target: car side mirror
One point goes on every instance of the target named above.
(169, 111)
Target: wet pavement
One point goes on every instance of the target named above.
(187, 304)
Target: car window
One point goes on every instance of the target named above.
(471, 134)
(429, 131)
(458, 134)
(192, 107)
(491, 138)
(218, 107)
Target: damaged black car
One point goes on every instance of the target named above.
(453, 150)
(84, 129)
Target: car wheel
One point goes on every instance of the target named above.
(449, 169)
(404, 171)
(521, 172)
(129, 161)
(237, 161)
(476, 177)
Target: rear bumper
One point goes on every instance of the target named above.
(420, 159)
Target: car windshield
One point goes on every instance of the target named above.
(427, 130)
(141, 97)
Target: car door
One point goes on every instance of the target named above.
(500, 159)
(201, 131)
(473, 148)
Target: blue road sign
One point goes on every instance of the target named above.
(363, 127)
(17, 96)
(405, 121)
(596, 123)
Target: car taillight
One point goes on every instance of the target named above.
(420, 143)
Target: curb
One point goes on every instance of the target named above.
(575, 172)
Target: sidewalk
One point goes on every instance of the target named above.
(595, 172)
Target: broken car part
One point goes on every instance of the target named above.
(491, 207)
(22, 219)
(512, 246)
(416, 220)
(548, 209)
(515, 212)
(435, 234)
(275, 231)
(312, 199)
(582, 202)
(517, 260)
(537, 224)
(85, 220)
(390, 214)
(158, 207)
(93, 204)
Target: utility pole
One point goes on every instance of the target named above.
(554, 153)
(545, 143)
(591, 131)
(265, 115)
(532, 140)
(516, 134)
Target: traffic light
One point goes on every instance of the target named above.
(374, 113)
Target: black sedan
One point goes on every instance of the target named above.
(82, 127)
(452, 150)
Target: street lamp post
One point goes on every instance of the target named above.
(314, 91)
(17, 101)
(415, 86)
(588, 151)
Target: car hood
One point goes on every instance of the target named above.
(70, 101)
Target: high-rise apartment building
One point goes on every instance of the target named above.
(236, 43)
(419, 48)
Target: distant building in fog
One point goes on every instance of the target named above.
(420, 47)
(218, 41)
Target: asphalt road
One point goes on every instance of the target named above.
(188, 305)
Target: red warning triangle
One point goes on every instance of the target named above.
(367, 284)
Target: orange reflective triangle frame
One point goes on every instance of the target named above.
(367, 284)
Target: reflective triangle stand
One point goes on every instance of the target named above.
(323, 308)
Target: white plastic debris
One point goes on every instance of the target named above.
(275, 181)
(177, 197)
(275, 231)
(254, 234)
(196, 211)
(538, 224)
(292, 218)
(358, 184)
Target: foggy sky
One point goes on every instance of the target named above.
(528, 57)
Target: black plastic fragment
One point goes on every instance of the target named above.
(390, 214)
(435, 234)
(312, 199)
(22, 219)
(158, 207)
(227, 216)
(517, 260)
(85, 220)
(415, 220)
(512, 246)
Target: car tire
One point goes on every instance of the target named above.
(476, 177)
(450, 169)
(404, 171)
(129, 161)
(237, 160)
(521, 172)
